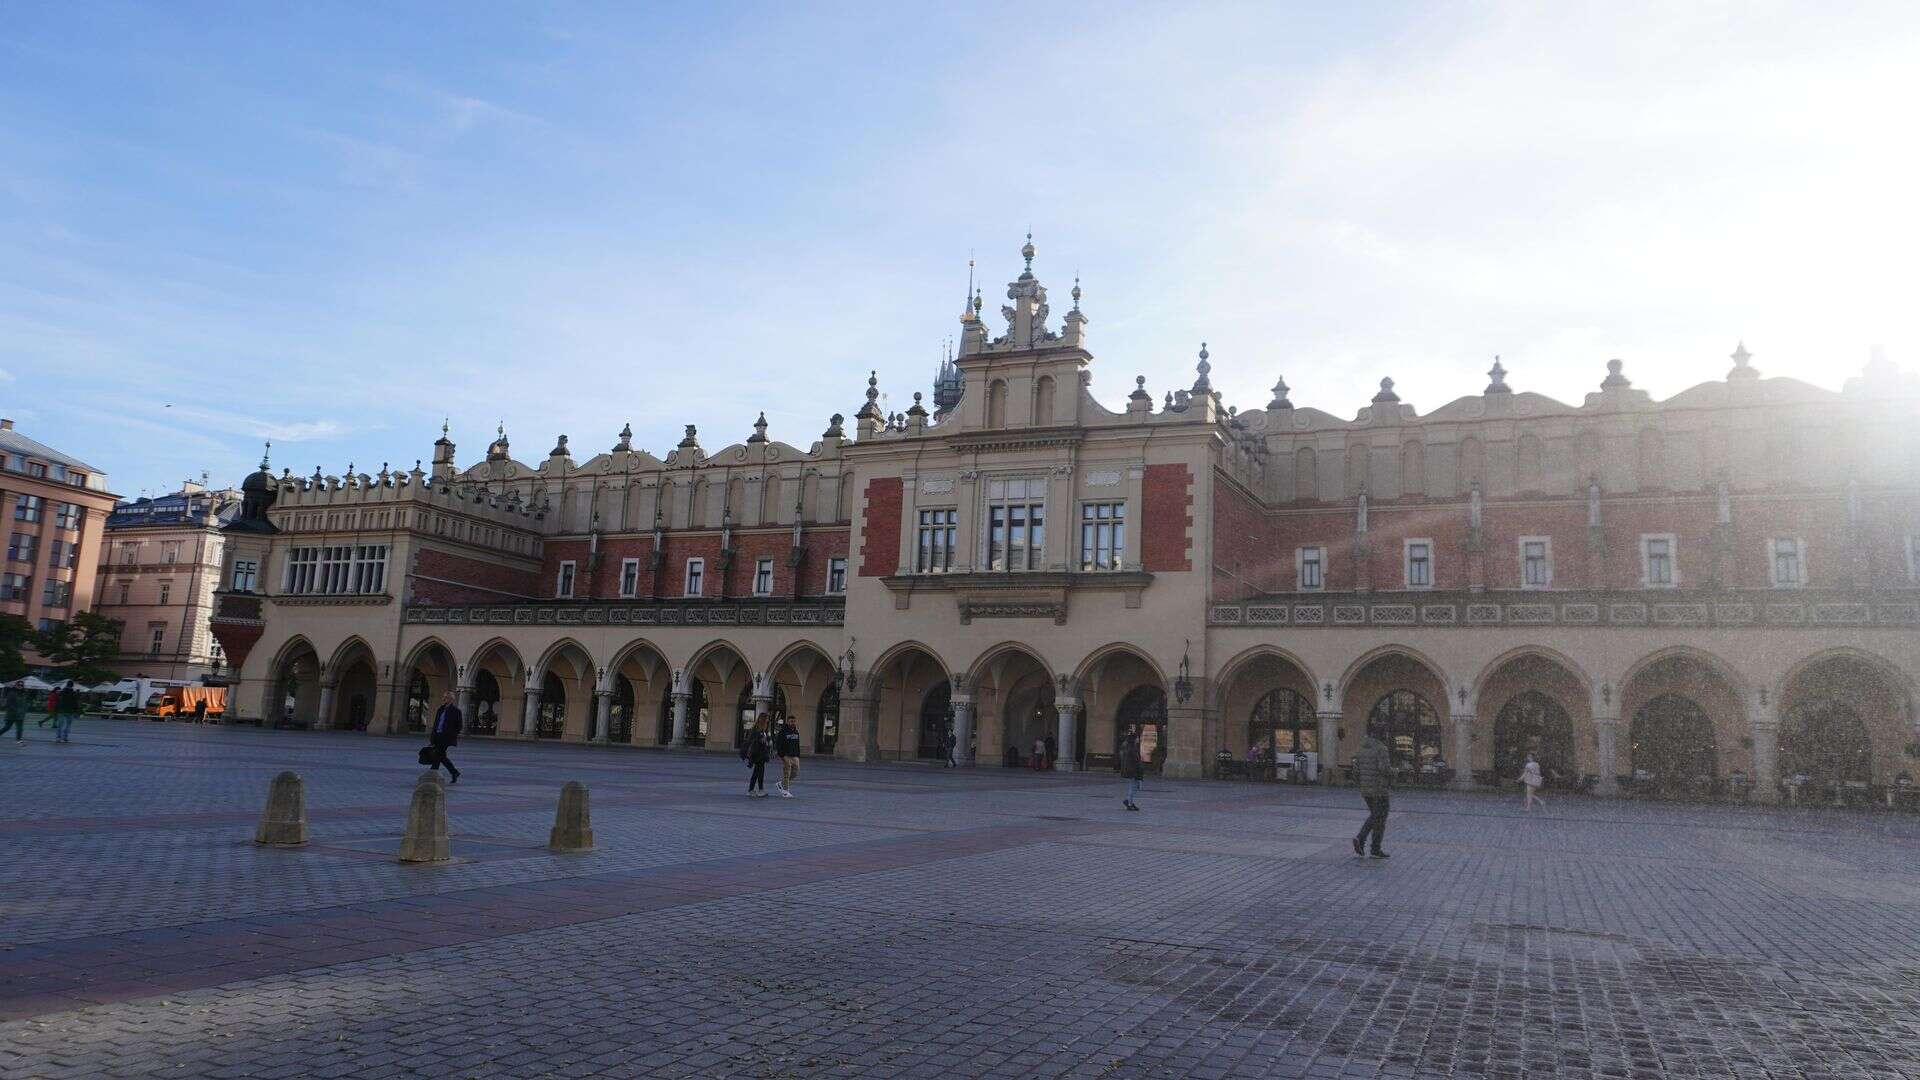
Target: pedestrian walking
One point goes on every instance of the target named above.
(15, 706)
(758, 749)
(1531, 780)
(787, 743)
(1039, 754)
(200, 710)
(951, 743)
(445, 733)
(1373, 771)
(1130, 768)
(67, 708)
(53, 707)
(1053, 751)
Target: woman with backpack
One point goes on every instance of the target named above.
(758, 750)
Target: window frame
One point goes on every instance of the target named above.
(1406, 563)
(16, 586)
(28, 508)
(943, 524)
(693, 580)
(836, 575)
(1672, 557)
(166, 593)
(763, 577)
(1113, 528)
(250, 568)
(564, 577)
(1546, 543)
(1300, 563)
(629, 578)
(1799, 558)
(998, 512)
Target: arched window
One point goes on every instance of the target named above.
(1533, 723)
(997, 404)
(1473, 465)
(827, 735)
(1357, 453)
(1530, 465)
(1408, 725)
(1306, 474)
(551, 722)
(936, 716)
(486, 704)
(1672, 743)
(1413, 469)
(1651, 465)
(1144, 707)
(1043, 401)
(1283, 722)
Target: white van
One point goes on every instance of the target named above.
(137, 695)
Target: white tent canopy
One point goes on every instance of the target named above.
(31, 682)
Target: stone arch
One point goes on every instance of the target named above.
(1104, 681)
(1413, 469)
(898, 687)
(1381, 652)
(1306, 474)
(1686, 652)
(504, 651)
(496, 676)
(725, 673)
(428, 674)
(1533, 698)
(1236, 666)
(639, 679)
(565, 677)
(344, 651)
(354, 673)
(997, 652)
(1544, 652)
(1846, 719)
(1885, 668)
(558, 649)
(292, 695)
(1685, 715)
(997, 403)
(803, 671)
(1043, 401)
(1373, 679)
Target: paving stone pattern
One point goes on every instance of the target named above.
(918, 922)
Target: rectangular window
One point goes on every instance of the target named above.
(696, 575)
(35, 468)
(166, 592)
(246, 572)
(1536, 562)
(1016, 524)
(763, 577)
(62, 554)
(159, 640)
(303, 569)
(16, 587)
(1310, 568)
(1657, 569)
(1788, 559)
(935, 535)
(22, 547)
(1419, 564)
(68, 515)
(54, 593)
(126, 591)
(369, 568)
(170, 551)
(629, 577)
(563, 588)
(129, 554)
(27, 508)
(1103, 535)
(837, 574)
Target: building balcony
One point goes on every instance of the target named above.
(1626, 608)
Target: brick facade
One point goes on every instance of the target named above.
(1166, 518)
(880, 531)
(441, 577)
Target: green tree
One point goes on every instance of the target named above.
(16, 637)
(81, 648)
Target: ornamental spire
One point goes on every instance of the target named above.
(1498, 379)
(1203, 385)
(1742, 370)
(1280, 400)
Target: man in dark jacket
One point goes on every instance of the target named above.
(446, 732)
(1130, 768)
(1373, 773)
(757, 749)
(786, 743)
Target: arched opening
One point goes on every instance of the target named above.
(902, 683)
(801, 677)
(1410, 728)
(1269, 723)
(1043, 401)
(1845, 725)
(1105, 679)
(357, 682)
(1281, 722)
(997, 404)
(1144, 709)
(726, 688)
(551, 722)
(419, 702)
(486, 704)
(293, 697)
(1673, 746)
(620, 711)
(1686, 727)
(1306, 474)
(1014, 708)
(827, 715)
(936, 719)
(429, 677)
(1534, 723)
(1826, 743)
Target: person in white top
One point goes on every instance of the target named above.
(1530, 779)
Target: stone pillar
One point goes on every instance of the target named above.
(1329, 744)
(859, 736)
(963, 730)
(763, 703)
(1463, 751)
(462, 700)
(1186, 736)
(1766, 749)
(1606, 730)
(530, 716)
(682, 705)
(324, 721)
(599, 729)
(1069, 759)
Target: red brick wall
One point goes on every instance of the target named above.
(464, 580)
(1166, 518)
(748, 545)
(880, 534)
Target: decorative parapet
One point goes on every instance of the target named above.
(1530, 609)
(631, 613)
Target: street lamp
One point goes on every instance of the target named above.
(848, 679)
(1183, 682)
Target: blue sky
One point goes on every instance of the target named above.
(335, 224)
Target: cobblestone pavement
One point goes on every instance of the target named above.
(919, 922)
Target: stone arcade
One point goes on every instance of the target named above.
(1708, 593)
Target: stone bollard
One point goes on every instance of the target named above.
(426, 838)
(283, 823)
(572, 826)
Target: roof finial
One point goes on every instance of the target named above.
(1498, 375)
(1026, 252)
(1076, 292)
(1280, 400)
(445, 423)
(1614, 377)
(1202, 384)
(759, 430)
(1386, 395)
(966, 306)
(1741, 369)
(264, 454)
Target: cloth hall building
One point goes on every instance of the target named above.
(1712, 593)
